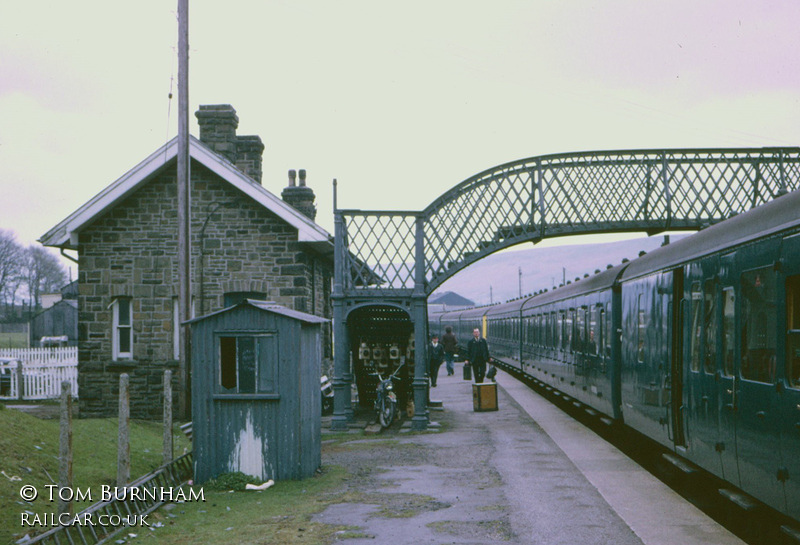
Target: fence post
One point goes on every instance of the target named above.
(124, 444)
(167, 416)
(20, 381)
(65, 446)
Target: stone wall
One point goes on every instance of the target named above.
(237, 245)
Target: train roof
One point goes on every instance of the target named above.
(462, 313)
(601, 281)
(773, 217)
(509, 307)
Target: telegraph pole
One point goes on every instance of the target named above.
(184, 210)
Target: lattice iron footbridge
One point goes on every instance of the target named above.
(398, 258)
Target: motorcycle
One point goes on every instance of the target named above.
(385, 398)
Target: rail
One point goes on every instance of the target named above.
(168, 476)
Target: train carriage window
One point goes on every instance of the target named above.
(793, 330)
(697, 326)
(728, 332)
(758, 325)
(710, 326)
(593, 340)
(569, 323)
(641, 331)
(580, 330)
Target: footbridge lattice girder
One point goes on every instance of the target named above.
(402, 256)
(554, 195)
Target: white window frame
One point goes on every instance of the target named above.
(117, 330)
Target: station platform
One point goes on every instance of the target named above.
(524, 474)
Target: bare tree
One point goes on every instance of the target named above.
(42, 273)
(10, 265)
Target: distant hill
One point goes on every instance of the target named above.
(498, 275)
(450, 299)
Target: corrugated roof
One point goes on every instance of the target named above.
(267, 306)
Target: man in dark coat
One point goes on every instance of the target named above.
(435, 359)
(450, 344)
(478, 355)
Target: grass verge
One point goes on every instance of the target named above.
(29, 456)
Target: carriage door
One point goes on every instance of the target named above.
(675, 381)
(758, 408)
(790, 378)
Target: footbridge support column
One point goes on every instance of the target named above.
(420, 317)
(342, 376)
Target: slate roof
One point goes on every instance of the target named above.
(65, 233)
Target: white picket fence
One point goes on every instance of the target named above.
(43, 370)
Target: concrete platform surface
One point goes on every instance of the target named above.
(525, 474)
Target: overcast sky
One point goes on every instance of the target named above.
(399, 101)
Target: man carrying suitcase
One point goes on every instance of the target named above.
(477, 355)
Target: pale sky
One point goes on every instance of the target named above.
(399, 101)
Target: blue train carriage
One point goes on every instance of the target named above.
(569, 341)
(502, 331)
(463, 322)
(711, 351)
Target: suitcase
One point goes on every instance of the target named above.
(467, 372)
(484, 396)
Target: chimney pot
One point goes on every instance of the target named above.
(302, 177)
(292, 175)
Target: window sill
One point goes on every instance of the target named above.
(246, 397)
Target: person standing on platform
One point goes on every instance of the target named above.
(478, 355)
(450, 344)
(435, 358)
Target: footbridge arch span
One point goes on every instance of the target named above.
(405, 255)
(555, 195)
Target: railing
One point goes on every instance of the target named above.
(65, 354)
(166, 478)
(43, 370)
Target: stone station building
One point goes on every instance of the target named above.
(245, 243)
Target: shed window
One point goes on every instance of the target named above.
(758, 325)
(122, 342)
(247, 363)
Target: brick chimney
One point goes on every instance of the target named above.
(299, 195)
(218, 124)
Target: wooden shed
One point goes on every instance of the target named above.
(255, 392)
